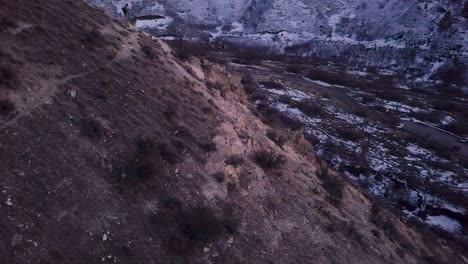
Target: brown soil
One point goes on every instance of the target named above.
(116, 152)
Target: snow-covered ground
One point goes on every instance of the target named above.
(390, 162)
(160, 24)
(394, 33)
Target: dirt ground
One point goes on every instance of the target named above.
(115, 150)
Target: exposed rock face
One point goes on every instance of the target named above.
(412, 37)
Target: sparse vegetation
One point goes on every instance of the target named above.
(269, 160)
(6, 107)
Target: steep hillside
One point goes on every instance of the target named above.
(114, 150)
(414, 37)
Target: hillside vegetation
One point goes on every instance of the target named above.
(116, 149)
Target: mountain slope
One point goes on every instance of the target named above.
(414, 37)
(112, 149)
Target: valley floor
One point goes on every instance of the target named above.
(412, 164)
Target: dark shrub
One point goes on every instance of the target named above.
(444, 105)
(310, 108)
(273, 85)
(328, 77)
(277, 138)
(182, 54)
(200, 225)
(379, 108)
(360, 111)
(6, 22)
(93, 38)
(91, 128)
(148, 52)
(208, 146)
(250, 89)
(269, 160)
(258, 97)
(6, 107)
(214, 86)
(367, 99)
(146, 146)
(446, 22)
(168, 153)
(379, 219)
(289, 122)
(287, 100)
(294, 68)
(457, 127)
(196, 227)
(8, 76)
(141, 168)
(247, 79)
(332, 185)
(219, 177)
(234, 160)
(392, 95)
(170, 112)
(348, 133)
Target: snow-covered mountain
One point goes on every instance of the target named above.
(419, 36)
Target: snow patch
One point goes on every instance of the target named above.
(444, 222)
(160, 23)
